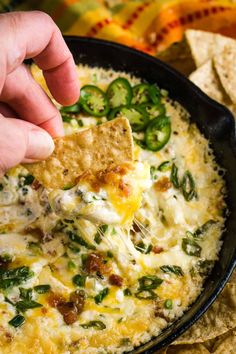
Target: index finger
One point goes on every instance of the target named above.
(35, 35)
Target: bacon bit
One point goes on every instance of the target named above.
(68, 311)
(163, 184)
(55, 299)
(116, 280)
(44, 310)
(36, 185)
(110, 176)
(8, 336)
(157, 249)
(78, 298)
(93, 263)
(126, 189)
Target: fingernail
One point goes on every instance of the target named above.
(40, 145)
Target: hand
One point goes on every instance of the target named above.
(28, 117)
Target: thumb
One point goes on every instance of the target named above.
(20, 140)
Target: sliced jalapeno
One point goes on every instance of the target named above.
(155, 94)
(141, 94)
(137, 116)
(119, 93)
(153, 110)
(158, 133)
(146, 295)
(93, 101)
(188, 186)
(70, 109)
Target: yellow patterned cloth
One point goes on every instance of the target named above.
(150, 26)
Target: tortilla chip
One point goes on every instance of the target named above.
(207, 80)
(92, 150)
(162, 351)
(178, 55)
(226, 69)
(188, 349)
(220, 318)
(226, 344)
(204, 45)
(39, 78)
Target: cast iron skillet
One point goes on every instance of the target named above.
(213, 120)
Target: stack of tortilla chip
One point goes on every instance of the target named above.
(210, 62)
(215, 332)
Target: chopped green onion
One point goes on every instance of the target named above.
(127, 292)
(188, 186)
(168, 304)
(146, 295)
(149, 282)
(26, 294)
(79, 280)
(71, 265)
(164, 166)
(191, 247)
(101, 295)
(25, 305)
(174, 176)
(204, 228)
(99, 325)
(17, 321)
(172, 269)
(42, 289)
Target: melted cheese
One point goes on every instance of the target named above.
(35, 232)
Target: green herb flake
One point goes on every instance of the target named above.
(35, 247)
(1, 187)
(29, 179)
(101, 295)
(42, 289)
(109, 254)
(127, 292)
(79, 280)
(71, 265)
(125, 341)
(172, 269)
(17, 321)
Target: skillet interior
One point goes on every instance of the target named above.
(213, 120)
